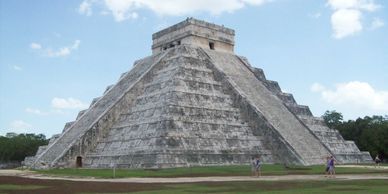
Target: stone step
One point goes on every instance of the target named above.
(181, 105)
(311, 120)
(299, 109)
(180, 82)
(80, 113)
(94, 101)
(273, 86)
(59, 148)
(67, 126)
(41, 149)
(176, 90)
(160, 119)
(125, 140)
(259, 73)
(111, 86)
(287, 98)
(260, 97)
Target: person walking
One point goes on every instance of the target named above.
(377, 161)
(253, 166)
(327, 166)
(332, 167)
(258, 166)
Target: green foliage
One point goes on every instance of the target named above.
(369, 133)
(332, 118)
(15, 147)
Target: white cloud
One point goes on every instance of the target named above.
(346, 22)
(61, 52)
(377, 23)
(20, 126)
(346, 19)
(316, 87)
(86, 7)
(35, 111)
(64, 51)
(17, 68)
(45, 113)
(127, 9)
(354, 98)
(69, 103)
(35, 45)
(367, 5)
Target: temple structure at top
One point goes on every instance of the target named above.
(194, 32)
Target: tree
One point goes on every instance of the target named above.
(332, 118)
(17, 147)
(369, 133)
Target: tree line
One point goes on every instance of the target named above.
(15, 147)
(369, 133)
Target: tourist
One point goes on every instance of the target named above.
(327, 166)
(377, 160)
(253, 166)
(258, 166)
(332, 167)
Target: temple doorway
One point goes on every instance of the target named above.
(79, 162)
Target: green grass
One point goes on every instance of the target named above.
(279, 187)
(20, 187)
(261, 187)
(203, 171)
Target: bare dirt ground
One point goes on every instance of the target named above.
(66, 187)
(364, 166)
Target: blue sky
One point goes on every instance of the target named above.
(56, 56)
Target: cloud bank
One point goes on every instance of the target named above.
(68, 103)
(347, 16)
(61, 52)
(19, 126)
(354, 98)
(128, 9)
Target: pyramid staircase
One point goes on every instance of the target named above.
(344, 151)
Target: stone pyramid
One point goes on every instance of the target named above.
(194, 102)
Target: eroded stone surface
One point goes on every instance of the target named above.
(191, 105)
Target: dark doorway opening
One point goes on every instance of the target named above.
(211, 45)
(79, 162)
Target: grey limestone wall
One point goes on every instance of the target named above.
(286, 124)
(195, 33)
(185, 116)
(190, 106)
(94, 121)
(344, 151)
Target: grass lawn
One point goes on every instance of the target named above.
(268, 169)
(280, 187)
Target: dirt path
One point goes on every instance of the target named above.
(31, 175)
(70, 187)
(364, 166)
